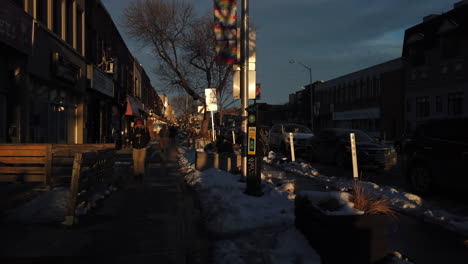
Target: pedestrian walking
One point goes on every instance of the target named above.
(163, 138)
(139, 140)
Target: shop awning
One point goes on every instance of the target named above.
(134, 107)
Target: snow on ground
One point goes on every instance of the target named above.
(249, 229)
(400, 200)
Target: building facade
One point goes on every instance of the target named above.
(65, 73)
(370, 100)
(435, 54)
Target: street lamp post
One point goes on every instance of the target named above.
(312, 89)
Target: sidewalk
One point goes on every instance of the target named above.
(154, 221)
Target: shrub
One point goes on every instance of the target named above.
(369, 204)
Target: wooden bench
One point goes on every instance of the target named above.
(25, 162)
(90, 169)
(63, 156)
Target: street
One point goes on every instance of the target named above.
(421, 241)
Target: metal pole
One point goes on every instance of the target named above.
(212, 126)
(244, 82)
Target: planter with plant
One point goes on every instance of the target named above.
(345, 227)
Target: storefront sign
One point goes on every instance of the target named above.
(102, 83)
(64, 69)
(368, 113)
(15, 27)
(211, 102)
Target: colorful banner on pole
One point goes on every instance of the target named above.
(225, 29)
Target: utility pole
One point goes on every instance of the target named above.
(312, 90)
(244, 82)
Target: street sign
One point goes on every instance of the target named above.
(211, 101)
(201, 109)
(252, 141)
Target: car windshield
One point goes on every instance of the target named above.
(359, 135)
(297, 129)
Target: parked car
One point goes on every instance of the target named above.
(333, 145)
(436, 155)
(279, 137)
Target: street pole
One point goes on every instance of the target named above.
(312, 90)
(244, 82)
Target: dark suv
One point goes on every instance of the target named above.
(333, 145)
(437, 156)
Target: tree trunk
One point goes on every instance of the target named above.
(205, 123)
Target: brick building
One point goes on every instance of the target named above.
(435, 53)
(370, 100)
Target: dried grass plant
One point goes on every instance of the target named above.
(369, 204)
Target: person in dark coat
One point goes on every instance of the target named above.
(139, 140)
(172, 135)
(163, 138)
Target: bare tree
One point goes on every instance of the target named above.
(183, 43)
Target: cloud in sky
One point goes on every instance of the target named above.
(333, 37)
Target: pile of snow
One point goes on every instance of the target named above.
(228, 210)
(398, 199)
(250, 229)
(343, 199)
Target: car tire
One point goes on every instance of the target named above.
(420, 179)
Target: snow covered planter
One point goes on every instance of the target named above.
(342, 227)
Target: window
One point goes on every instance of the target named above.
(20, 3)
(422, 107)
(450, 46)
(408, 106)
(378, 88)
(413, 76)
(69, 21)
(30, 7)
(438, 104)
(455, 103)
(3, 104)
(416, 55)
(79, 30)
(443, 69)
(41, 11)
(423, 75)
(57, 17)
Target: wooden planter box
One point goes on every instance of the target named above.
(343, 238)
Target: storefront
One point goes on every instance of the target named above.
(99, 106)
(15, 47)
(55, 91)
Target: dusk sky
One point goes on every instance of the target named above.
(333, 37)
